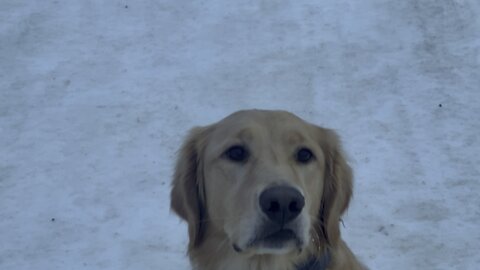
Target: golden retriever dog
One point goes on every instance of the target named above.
(263, 190)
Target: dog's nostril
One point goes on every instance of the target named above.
(293, 207)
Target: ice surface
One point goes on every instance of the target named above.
(95, 97)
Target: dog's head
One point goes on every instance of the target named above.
(266, 181)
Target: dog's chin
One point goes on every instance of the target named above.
(277, 243)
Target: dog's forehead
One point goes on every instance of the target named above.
(263, 118)
(246, 123)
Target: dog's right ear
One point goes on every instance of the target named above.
(187, 195)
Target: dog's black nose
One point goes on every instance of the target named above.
(281, 204)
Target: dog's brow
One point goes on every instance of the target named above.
(245, 134)
(294, 137)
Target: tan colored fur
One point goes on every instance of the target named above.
(218, 199)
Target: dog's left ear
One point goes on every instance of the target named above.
(187, 195)
(337, 189)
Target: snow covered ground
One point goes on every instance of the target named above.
(95, 97)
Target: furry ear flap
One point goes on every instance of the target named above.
(187, 195)
(337, 190)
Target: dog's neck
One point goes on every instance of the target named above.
(211, 255)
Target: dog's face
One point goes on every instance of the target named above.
(267, 181)
(258, 172)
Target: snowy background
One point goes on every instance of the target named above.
(96, 96)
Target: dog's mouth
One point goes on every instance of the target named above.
(273, 241)
(279, 237)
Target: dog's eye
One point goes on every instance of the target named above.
(237, 153)
(304, 155)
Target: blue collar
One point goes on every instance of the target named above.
(316, 263)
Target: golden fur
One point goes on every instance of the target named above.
(218, 198)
